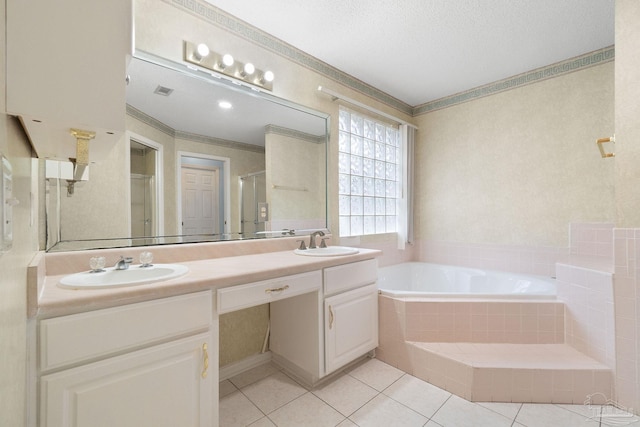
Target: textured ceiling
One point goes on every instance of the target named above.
(421, 50)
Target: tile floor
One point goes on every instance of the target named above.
(373, 393)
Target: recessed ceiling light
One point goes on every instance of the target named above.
(225, 105)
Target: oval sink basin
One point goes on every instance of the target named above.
(112, 278)
(328, 251)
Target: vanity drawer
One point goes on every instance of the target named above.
(71, 339)
(350, 276)
(252, 294)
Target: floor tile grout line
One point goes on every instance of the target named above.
(286, 403)
(517, 413)
(440, 407)
(513, 422)
(253, 403)
(397, 401)
(499, 413)
(347, 416)
(557, 405)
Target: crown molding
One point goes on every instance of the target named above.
(230, 23)
(571, 65)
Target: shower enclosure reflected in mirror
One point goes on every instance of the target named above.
(253, 198)
(144, 168)
(174, 111)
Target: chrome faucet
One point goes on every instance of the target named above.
(123, 263)
(312, 238)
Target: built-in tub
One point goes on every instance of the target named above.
(426, 280)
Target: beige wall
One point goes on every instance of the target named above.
(306, 176)
(13, 280)
(627, 144)
(98, 207)
(13, 264)
(242, 333)
(517, 167)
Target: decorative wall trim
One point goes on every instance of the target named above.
(221, 19)
(242, 29)
(158, 125)
(279, 130)
(571, 65)
(150, 121)
(219, 142)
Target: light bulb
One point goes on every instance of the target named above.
(225, 105)
(248, 69)
(227, 61)
(268, 76)
(202, 50)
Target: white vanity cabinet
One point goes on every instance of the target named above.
(351, 326)
(152, 363)
(66, 68)
(350, 312)
(312, 335)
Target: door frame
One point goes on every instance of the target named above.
(226, 187)
(159, 176)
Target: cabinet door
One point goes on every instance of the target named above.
(166, 385)
(351, 326)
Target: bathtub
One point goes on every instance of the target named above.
(425, 280)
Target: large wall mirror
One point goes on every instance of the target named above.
(203, 159)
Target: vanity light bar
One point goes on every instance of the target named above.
(226, 65)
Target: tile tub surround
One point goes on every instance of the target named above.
(530, 373)
(626, 296)
(587, 293)
(473, 349)
(533, 322)
(533, 260)
(211, 265)
(586, 240)
(591, 239)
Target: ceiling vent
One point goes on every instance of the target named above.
(164, 91)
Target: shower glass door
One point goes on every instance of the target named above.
(253, 192)
(143, 159)
(142, 205)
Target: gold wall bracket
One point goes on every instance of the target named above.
(602, 141)
(82, 145)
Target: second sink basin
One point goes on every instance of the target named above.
(112, 278)
(328, 251)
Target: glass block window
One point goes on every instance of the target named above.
(370, 163)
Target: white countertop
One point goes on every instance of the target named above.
(203, 274)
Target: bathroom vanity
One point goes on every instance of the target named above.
(148, 354)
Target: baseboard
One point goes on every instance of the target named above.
(303, 377)
(243, 365)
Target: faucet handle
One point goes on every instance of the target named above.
(323, 243)
(97, 264)
(146, 258)
(302, 247)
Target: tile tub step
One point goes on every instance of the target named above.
(538, 373)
